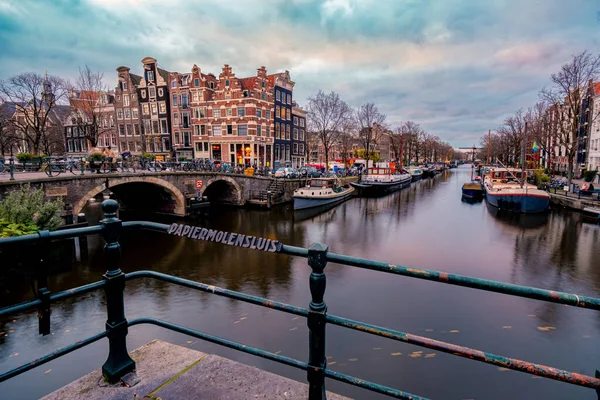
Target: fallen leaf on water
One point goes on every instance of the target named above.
(48, 371)
(395, 354)
(67, 330)
(189, 341)
(428, 330)
(278, 352)
(295, 318)
(294, 328)
(503, 369)
(12, 331)
(430, 355)
(414, 355)
(531, 315)
(236, 322)
(376, 348)
(243, 318)
(546, 328)
(417, 352)
(16, 354)
(353, 359)
(535, 377)
(329, 357)
(454, 331)
(332, 363)
(507, 327)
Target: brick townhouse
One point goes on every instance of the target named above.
(283, 88)
(298, 136)
(127, 112)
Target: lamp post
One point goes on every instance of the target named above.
(12, 165)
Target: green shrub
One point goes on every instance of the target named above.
(25, 156)
(148, 157)
(29, 207)
(95, 157)
(8, 229)
(588, 176)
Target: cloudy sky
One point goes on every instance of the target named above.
(457, 67)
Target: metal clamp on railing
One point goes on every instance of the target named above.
(118, 363)
(317, 362)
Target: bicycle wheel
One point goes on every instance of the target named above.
(49, 170)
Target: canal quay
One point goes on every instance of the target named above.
(425, 226)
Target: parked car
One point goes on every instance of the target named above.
(286, 173)
(309, 172)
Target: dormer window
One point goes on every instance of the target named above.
(150, 75)
(263, 83)
(226, 82)
(184, 81)
(174, 83)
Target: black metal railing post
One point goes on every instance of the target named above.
(317, 362)
(43, 293)
(118, 363)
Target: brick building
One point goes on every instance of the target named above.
(180, 91)
(153, 95)
(298, 136)
(282, 89)
(127, 112)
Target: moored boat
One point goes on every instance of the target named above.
(472, 191)
(321, 192)
(415, 173)
(506, 189)
(381, 180)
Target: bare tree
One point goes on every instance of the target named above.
(34, 98)
(412, 136)
(89, 97)
(370, 122)
(326, 115)
(570, 86)
(346, 139)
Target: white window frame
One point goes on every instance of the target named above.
(217, 111)
(134, 113)
(163, 107)
(145, 109)
(119, 113)
(127, 113)
(218, 129)
(242, 127)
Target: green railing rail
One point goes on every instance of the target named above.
(119, 363)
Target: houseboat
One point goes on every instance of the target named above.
(381, 180)
(415, 173)
(321, 192)
(507, 189)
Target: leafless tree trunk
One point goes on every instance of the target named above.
(370, 122)
(570, 86)
(89, 96)
(33, 107)
(326, 115)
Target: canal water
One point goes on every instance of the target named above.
(424, 226)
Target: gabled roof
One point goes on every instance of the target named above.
(272, 77)
(135, 79)
(163, 73)
(59, 112)
(247, 83)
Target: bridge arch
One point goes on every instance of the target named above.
(168, 187)
(223, 190)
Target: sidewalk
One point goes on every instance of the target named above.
(170, 372)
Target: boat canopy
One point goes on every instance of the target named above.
(380, 171)
(321, 182)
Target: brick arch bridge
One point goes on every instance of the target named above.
(176, 186)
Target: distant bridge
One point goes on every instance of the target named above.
(157, 191)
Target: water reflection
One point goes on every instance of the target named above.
(425, 225)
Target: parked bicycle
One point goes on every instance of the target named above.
(56, 168)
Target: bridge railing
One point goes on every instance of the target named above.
(119, 363)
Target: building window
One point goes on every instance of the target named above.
(176, 136)
(258, 113)
(277, 111)
(196, 113)
(145, 109)
(143, 92)
(150, 75)
(258, 130)
(277, 131)
(105, 122)
(152, 92)
(282, 112)
(287, 132)
(276, 148)
(216, 113)
(302, 122)
(123, 85)
(164, 127)
(136, 129)
(155, 127)
(161, 92)
(174, 99)
(174, 83)
(295, 120)
(128, 131)
(184, 100)
(289, 98)
(242, 130)
(287, 152)
(228, 112)
(112, 121)
(154, 108)
(134, 113)
(196, 82)
(302, 149)
(230, 129)
(119, 114)
(163, 107)
(268, 114)
(69, 131)
(202, 112)
(263, 95)
(121, 130)
(241, 112)
(216, 130)
(126, 101)
(295, 148)
(175, 119)
(302, 134)
(226, 82)
(147, 126)
(127, 113)
(185, 119)
(276, 94)
(295, 133)
(195, 97)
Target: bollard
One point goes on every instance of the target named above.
(118, 363)
(82, 166)
(317, 362)
(12, 168)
